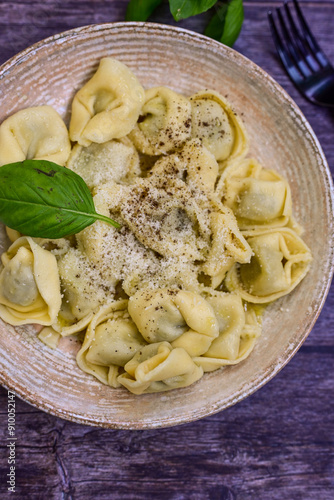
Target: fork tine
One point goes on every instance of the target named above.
(304, 61)
(303, 47)
(318, 53)
(291, 47)
(290, 67)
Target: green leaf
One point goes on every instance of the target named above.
(181, 9)
(41, 199)
(215, 27)
(141, 10)
(225, 25)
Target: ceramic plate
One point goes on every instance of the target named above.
(51, 72)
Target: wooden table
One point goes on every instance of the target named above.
(278, 443)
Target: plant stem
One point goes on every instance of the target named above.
(108, 220)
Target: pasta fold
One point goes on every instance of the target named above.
(37, 133)
(218, 126)
(280, 261)
(164, 123)
(29, 284)
(194, 164)
(116, 160)
(164, 217)
(111, 340)
(183, 318)
(83, 288)
(107, 106)
(158, 367)
(258, 197)
(228, 246)
(239, 329)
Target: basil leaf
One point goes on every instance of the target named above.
(215, 27)
(181, 9)
(141, 10)
(42, 199)
(225, 25)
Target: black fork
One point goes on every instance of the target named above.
(303, 59)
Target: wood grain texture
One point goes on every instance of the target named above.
(277, 444)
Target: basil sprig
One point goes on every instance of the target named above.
(141, 10)
(226, 23)
(181, 9)
(42, 199)
(224, 26)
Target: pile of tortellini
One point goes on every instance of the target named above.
(207, 234)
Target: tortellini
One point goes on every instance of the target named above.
(194, 164)
(168, 270)
(218, 126)
(49, 337)
(280, 261)
(107, 106)
(159, 367)
(111, 340)
(29, 284)
(12, 234)
(258, 197)
(228, 246)
(164, 217)
(82, 289)
(37, 133)
(239, 329)
(116, 255)
(164, 123)
(183, 318)
(97, 164)
(207, 235)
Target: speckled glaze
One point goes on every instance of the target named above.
(50, 72)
